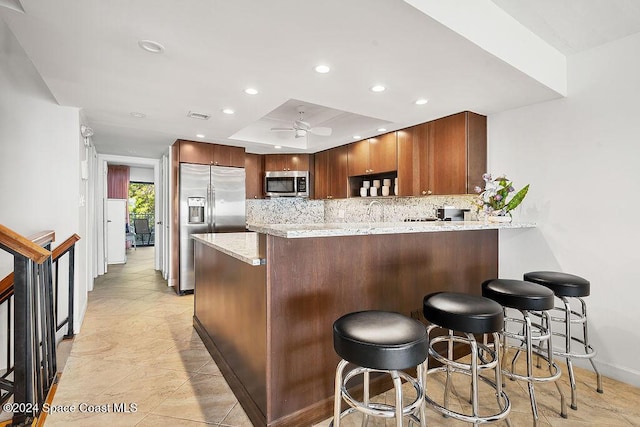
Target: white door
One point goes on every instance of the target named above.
(116, 231)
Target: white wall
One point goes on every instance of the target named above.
(581, 156)
(40, 153)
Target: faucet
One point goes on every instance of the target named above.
(369, 209)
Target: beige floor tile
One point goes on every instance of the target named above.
(236, 418)
(204, 398)
(153, 420)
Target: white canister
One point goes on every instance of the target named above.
(366, 184)
(395, 190)
(395, 181)
(385, 190)
(376, 183)
(387, 182)
(373, 191)
(363, 191)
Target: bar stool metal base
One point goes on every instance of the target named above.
(399, 411)
(532, 332)
(570, 317)
(483, 357)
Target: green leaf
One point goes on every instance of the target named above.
(517, 199)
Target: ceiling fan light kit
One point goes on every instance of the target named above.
(300, 127)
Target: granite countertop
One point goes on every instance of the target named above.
(242, 246)
(292, 231)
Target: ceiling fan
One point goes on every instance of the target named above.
(300, 127)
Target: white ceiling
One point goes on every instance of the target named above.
(87, 53)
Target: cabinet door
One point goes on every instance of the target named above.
(226, 155)
(274, 162)
(297, 162)
(195, 152)
(338, 173)
(448, 138)
(413, 161)
(383, 154)
(254, 170)
(358, 155)
(322, 180)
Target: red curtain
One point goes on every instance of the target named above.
(118, 183)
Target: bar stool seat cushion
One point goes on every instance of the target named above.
(463, 312)
(562, 284)
(519, 294)
(380, 340)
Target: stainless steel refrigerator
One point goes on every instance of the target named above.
(212, 200)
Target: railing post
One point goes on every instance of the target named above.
(72, 262)
(24, 336)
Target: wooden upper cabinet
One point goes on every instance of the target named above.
(287, 162)
(254, 169)
(444, 156)
(211, 154)
(226, 155)
(413, 161)
(373, 155)
(331, 174)
(194, 152)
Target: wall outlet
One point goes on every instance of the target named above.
(340, 213)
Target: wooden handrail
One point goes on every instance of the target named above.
(24, 246)
(6, 285)
(59, 250)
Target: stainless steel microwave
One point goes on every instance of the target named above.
(286, 184)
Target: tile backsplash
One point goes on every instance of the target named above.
(287, 210)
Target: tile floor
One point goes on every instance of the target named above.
(137, 346)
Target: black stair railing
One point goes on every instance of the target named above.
(28, 293)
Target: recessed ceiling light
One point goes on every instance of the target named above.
(421, 101)
(228, 111)
(377, 88)
(322, 69)
(251, 91)
(356, 137)
(200, 135)
(151, 46)
(138, 115)
(277, 147)
(382, 129)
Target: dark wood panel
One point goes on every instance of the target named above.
(312, 282)
(226, 155)
(322, 180)
(230, 304)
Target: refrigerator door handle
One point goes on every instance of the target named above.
(213, 208)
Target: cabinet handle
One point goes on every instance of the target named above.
(424, 193)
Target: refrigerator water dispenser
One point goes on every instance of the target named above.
(196, 210)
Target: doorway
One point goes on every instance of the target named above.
(142, 207)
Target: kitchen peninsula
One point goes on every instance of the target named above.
(265, 301)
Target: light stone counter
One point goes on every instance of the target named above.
(243, 246)
(292, 231)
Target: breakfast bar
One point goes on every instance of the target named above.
(266, 300)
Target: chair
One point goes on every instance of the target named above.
(141, 227)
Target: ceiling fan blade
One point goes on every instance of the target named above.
(321, 131)
(282, 129)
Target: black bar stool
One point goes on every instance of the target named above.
(566, 286)
(468, 315)
(379, 341)
(527, 298)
